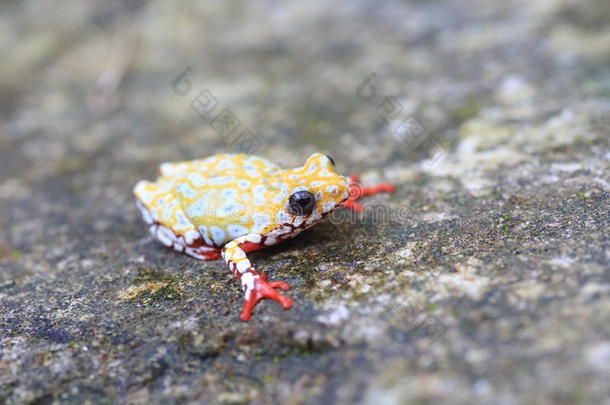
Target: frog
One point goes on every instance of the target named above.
(228, 205)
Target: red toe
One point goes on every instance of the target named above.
(279, 284)
(264, 289)
(357, 191)
(352, 205)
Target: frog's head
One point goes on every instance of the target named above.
(313, 191)
(286, 201)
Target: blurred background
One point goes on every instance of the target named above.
(489, 282)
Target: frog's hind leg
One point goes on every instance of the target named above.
(198, 250)
(190, 243)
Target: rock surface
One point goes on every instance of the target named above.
(484, 279)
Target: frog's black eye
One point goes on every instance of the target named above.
(332, 161)
(301, 203)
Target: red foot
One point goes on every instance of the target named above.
(357, 191)
(353, 205)
(265, 289)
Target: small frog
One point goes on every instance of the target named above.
(231, 204)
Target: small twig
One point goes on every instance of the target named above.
(105, 96)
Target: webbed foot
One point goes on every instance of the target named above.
(258, 288)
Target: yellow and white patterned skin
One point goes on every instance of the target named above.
(241, 202)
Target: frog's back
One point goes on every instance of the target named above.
(193, 196)
(225, 164)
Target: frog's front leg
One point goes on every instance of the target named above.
(254, 284)
(357, 191)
